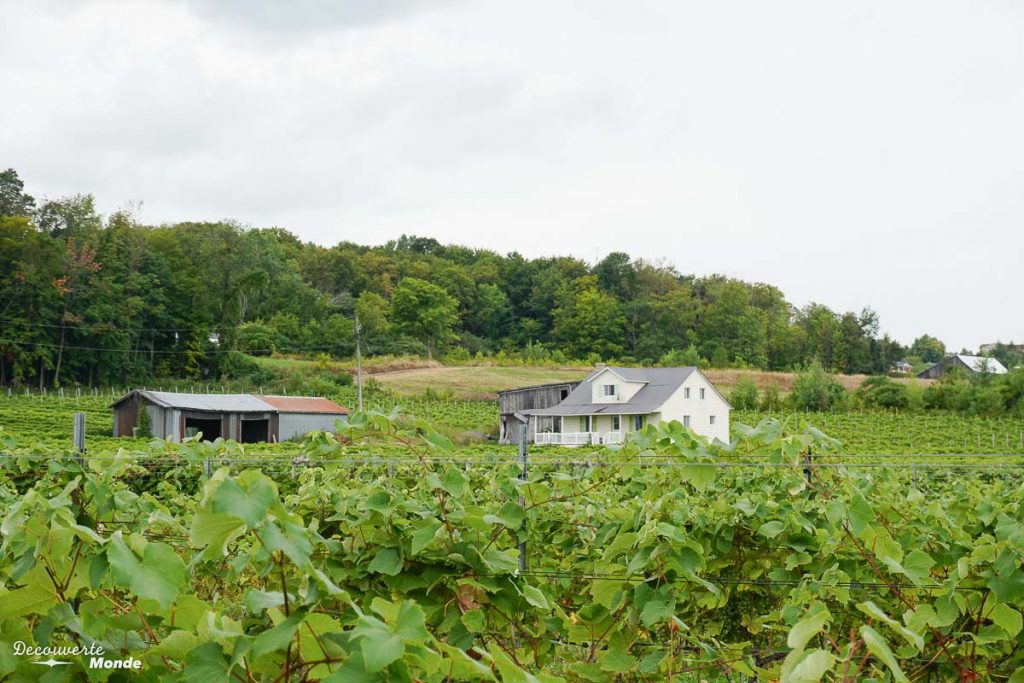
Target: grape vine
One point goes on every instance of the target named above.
(668, 559)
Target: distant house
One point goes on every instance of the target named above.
(246, 418)
(614, 401)
(968, 364)
(902, 367)
(523, 399)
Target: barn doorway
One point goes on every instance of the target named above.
(210, 427)
(255, 431)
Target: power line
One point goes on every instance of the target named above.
(79, 328)
(145, 352)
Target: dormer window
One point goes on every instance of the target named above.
(608, 390)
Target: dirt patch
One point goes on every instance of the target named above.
(398, 366)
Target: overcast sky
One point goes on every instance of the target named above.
(854, 154)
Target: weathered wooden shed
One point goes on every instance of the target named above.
(246, 418)
(522, 399)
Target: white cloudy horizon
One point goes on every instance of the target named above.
(852, 154)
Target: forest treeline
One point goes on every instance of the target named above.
(97, 300)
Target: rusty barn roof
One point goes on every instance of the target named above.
(303, 404)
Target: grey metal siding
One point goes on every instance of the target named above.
(156, 420)
(293, 425)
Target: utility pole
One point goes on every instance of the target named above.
(359, 368)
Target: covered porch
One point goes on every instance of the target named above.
(585, 430)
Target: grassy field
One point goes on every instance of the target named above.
(474, 382)
(412, 376)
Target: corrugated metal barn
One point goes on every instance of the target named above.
(246, 418)
(528, 398)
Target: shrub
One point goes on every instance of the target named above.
(881, 392)
(258, 339)
(456, 355)
(681, 358)
(816, 390)
(744, 395)
(770, 399)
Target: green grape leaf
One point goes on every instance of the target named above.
(380, 649)
(872, 610)
(809, 667)
(214, 531)
(37, 596)
(474, 620)
(511, 515)
(771, 529)
(159, 576)
(422, 537)
(617, 660)
(291, 539)
(386, 561)
(535, 597)
(206, 664)
(808, 627)
(878, 646)
(656, 611)
(1007, 618)
(278, 637)
(247, 496)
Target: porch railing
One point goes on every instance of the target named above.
(578, 438)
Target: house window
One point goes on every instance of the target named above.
(616, 423)
(638, 422)
(686, 420)
(563, 394)
(712, 419)
(607, 389)
(702, 394)
(586, 423)
(686, 392)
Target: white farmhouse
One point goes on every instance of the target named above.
(613, 401)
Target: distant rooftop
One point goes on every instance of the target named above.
(983, 364)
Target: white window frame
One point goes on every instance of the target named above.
(616, 423)
(686, 392)
(712, 419)
(588, 423)
(702, 393)
(686, 420)
(608, 390)
(638, 422)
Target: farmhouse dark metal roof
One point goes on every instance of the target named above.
(659, 385)
(236, 403)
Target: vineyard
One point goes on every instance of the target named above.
(666, 560)
(47, 422)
